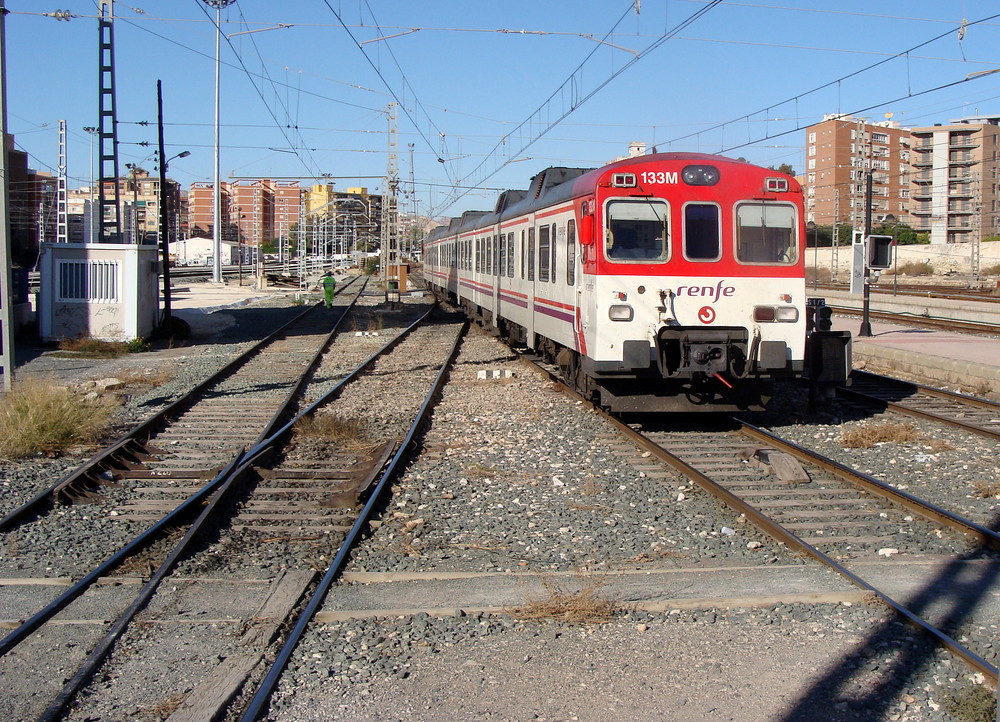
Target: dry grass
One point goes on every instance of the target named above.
(345, 433)
(586, 606)
(39, 417)
(150, 377)
(93, 348)
(162, 710)
(972, 703)
(889, 432)
(936, 446)
(986, 489)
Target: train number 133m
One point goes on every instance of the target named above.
(659, 177)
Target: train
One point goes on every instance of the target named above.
(664, 282)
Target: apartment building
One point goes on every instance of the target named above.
(840, 151)
(954, 190)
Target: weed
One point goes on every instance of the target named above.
(971, 704)
(936, 446)
(93, 347)
(138, 345)
(986, 489)
(586, 606)
(915, 268)
(818, 275)
(148, 377)
(162, 710)
(867, 435)
(991, 270)
(479, 471)
(329, 427)
(39, 417)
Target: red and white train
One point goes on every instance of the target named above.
(664, 282)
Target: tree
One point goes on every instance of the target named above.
(783, 168)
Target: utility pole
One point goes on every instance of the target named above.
(390, 208)
(110, 223)
(62, 211)
(6, 294)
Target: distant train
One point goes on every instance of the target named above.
(663, 282)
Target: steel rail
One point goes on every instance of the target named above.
(917, 413)
(784, 536)
(912, 319)
(779, 533)
(105, 458)
(221, 491)
(184, 509)
(257, 704)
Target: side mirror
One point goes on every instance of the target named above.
(587, 230)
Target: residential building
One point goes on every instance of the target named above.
(840, 151)
(954, 183)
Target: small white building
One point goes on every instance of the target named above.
(200, 251)
(106, 291)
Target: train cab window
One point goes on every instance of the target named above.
(571, 253)
(765, 233)
(637, 231)
(543, 253)
(702, 240)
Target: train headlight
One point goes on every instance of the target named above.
(621, 312)
(775, 314)
(700, 175)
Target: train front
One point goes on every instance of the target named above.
(695, 293)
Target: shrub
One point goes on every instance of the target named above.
(138, 345)
(915, 268)
(991, 270)
(867, 435)
(93, 347)
(39, 417)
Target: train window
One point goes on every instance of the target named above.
(531, 254)
(765, 233)
(552, 267)
(524, 258)
(637, 231)
(571, 253)
(702, 240)
(543, 253)
(510, 254)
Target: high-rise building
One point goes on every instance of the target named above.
(954, 182)
(840, 151)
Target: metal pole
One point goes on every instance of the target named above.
(217, 187)
(6, 296)
(164, 217)
(866, 327)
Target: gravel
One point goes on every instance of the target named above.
(514, 475)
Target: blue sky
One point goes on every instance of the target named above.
(484, 104)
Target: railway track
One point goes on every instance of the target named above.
(277, 514)
(922, 321)
(193, 438)
(824, 510)
(969, 413)
(827, 511)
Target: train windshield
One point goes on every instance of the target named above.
(637, 231)
(765, 233)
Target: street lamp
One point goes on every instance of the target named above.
(217, 188)
(164, 235)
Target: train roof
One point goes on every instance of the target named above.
(556, 184)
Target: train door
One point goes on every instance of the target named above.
(529, 265)
(586, 234)
(496, 241)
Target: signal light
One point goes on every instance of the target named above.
(880, 252)
(824, 318)
(819, 316)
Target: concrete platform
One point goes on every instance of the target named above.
(943, 358)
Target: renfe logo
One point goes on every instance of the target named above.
(713, 292)
(706, 314)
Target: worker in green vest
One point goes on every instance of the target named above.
(329, 286)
